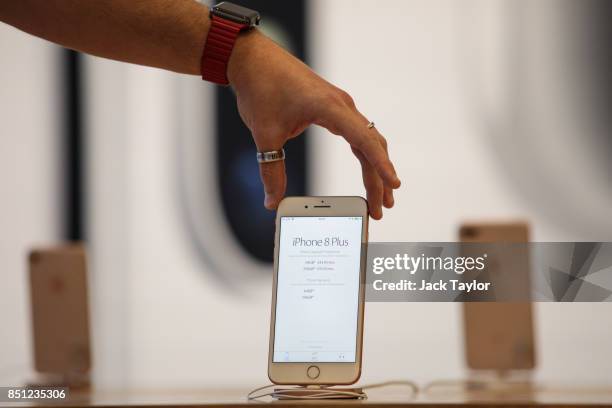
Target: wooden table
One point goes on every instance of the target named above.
(392, 397)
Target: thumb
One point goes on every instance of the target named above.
(274, 182)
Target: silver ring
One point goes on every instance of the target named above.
(371, 125)
(271, 156)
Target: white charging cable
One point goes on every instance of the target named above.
(323, 392)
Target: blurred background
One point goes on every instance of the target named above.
(494, 110)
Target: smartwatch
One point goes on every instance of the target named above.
(227, 20)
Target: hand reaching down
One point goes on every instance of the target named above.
(278, 96)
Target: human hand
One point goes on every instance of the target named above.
(278, 96)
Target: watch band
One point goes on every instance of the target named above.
(219, 45)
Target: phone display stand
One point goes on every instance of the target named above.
(309, 392)
(318, 393)
(327, 392)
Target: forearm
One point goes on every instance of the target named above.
(168, 34)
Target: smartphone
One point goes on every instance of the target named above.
(316, 329)
(500, 336)
(60, 310)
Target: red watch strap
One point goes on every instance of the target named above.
(218, 48)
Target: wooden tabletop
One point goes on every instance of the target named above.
(440, 395)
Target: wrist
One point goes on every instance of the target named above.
(245, 49)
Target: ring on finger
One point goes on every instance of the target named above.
(271, 156)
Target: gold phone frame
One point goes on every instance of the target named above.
(329, 373)
(511, 321)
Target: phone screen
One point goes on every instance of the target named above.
(317, 291)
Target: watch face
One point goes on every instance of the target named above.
(236, 13)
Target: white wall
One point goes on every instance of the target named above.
(29, 182)
(161, 318)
